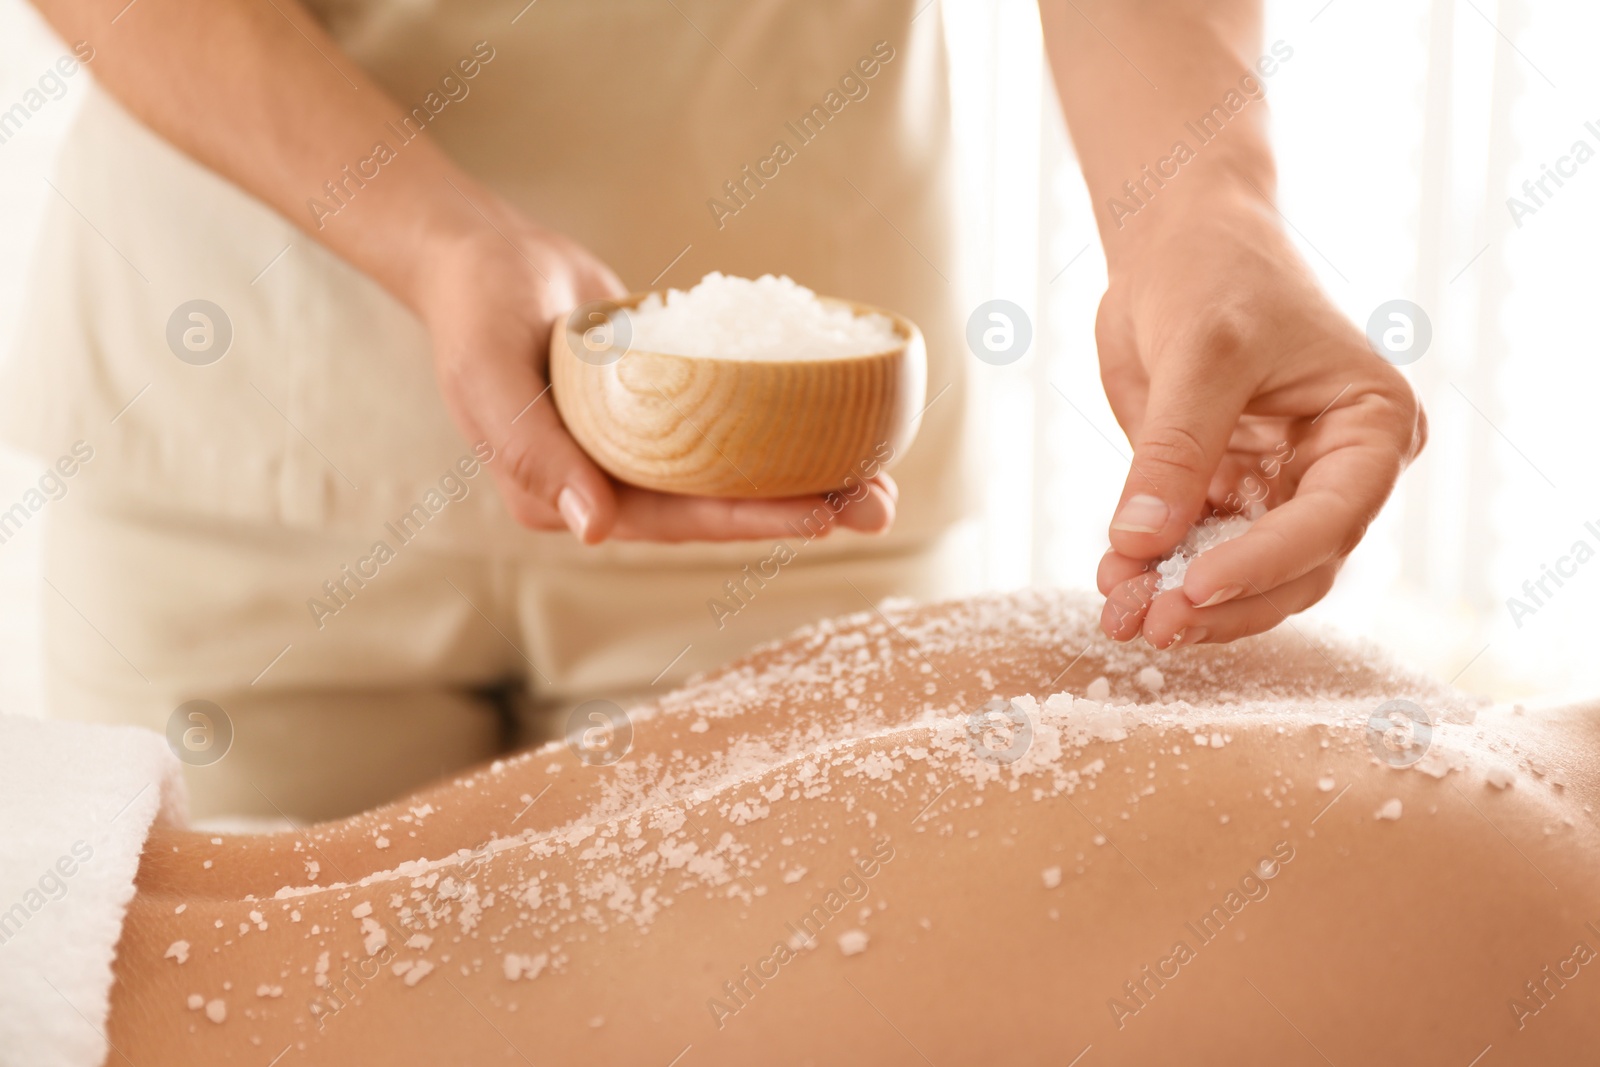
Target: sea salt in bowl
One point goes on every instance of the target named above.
(739, 388)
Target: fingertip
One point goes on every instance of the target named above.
(1115, 568)
(889, 503)
(588, 505)
(890, 486)
(872, 514)
(1123, 615)
(1146, 527)
(1221, 596)
(1141, 513)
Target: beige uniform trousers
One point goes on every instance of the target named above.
(672, 139)
(440, 659)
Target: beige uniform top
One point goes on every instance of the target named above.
(810, 139)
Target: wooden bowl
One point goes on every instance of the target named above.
(735, 427)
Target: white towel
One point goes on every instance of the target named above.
(76, 803)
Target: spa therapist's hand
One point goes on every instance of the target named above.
(1241, 387)
(489, 300)
(1237, 382)
(485, 281)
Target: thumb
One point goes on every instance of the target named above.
(539, 467)
(543, 463)
(1189, 416)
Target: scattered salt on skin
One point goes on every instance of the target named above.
(180, 909)
(853, 942)
(269, 991)
(1390, 810)
(374, 937)
(1500, 776)
(915, 751)
(196, 1002)
(206, 865)
(417, 972)
(380, 842)
(1051, 876)
(361, 910)
(178, 950)
(216, 840)
(1326, 783)
(1202, 538)
(1099, 689)
(517, 966)
(1151, 678)
(216, 1010)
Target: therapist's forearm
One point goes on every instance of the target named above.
(1135, 78)
(256, 91)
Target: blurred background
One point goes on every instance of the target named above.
(1401, 131)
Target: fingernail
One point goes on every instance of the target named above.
(1141, 514)
(1221, 596)
(574, 510)
(1190, 635)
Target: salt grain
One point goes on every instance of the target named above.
(1051, 876)
(1390, 809)
(1500, 776)
(853, 942)
(178, 950)
(516, 966)
(216, 1010)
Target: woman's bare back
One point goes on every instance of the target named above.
(906, 837)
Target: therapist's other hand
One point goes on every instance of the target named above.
(1240, 386)
(490, 298)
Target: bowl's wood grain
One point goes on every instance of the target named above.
(740, 428)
